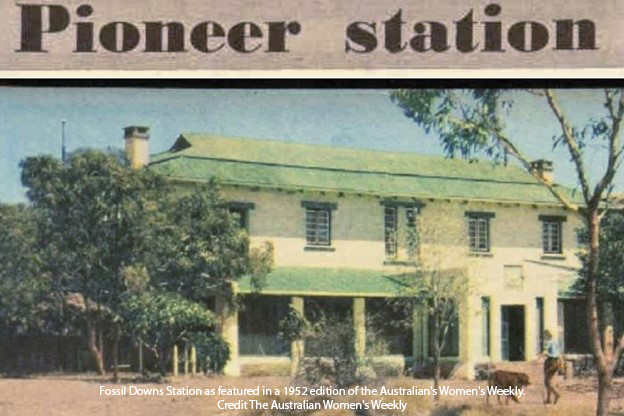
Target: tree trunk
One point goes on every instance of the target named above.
(436, 374)
(96, 353)
(116, 355)
(604, 393)
(436, 357)
(602, 366)
(163, 360)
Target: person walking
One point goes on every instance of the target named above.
(552, 364)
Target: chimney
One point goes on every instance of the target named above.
(544, 169)
(136, 145)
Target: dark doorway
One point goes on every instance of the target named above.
(575, 331)
(512, 333)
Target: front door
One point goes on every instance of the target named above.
(512, 332)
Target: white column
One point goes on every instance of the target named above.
(550, 315)
(174, 361)
(495, 329)
(296, 347)
(228, 327)
(359, 326)
(530, 329)
(467, 322)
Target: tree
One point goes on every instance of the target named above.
(610, 288)
(103, 228)
(437, 282)
(469, 122)
(89, 212)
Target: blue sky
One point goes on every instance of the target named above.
(31, 122)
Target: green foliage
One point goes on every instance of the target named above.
(98, 219)
(465, 121)
(161, 320)
(24, 292)
(212, 351)
(90, 212)
(197, 247)
(109, 233)
(292, 327)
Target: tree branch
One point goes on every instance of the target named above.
(571, 142)
(509, 146)
(614, 143)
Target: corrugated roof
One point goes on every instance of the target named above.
(275, 164)
(316, 281)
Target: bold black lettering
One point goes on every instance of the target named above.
(516, 36)
(201, 34)
(84, 30)
(130, 37)
(278, 32)
(154, 35)
(493, 30)
(32, 25)
(358, 34)
(437, 37)
(393, 28)
(464, 38)
(240, 32)
(586, 34)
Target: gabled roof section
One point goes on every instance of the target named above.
(285, 165)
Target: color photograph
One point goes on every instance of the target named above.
(171, 250)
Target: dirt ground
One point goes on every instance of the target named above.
(68, 395)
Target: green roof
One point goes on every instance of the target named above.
(295, 166)
(316, 281)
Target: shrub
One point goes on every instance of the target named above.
(336, 361)
(212, 351)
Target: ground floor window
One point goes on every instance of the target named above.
(388, 325)
(258, 325)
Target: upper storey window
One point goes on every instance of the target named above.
(240, 212)
(479, 236)
(318, 223)
(552, 242)
(390, 231)
(401, 237)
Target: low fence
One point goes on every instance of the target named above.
(22, 355)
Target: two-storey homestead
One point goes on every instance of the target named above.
(337, 219)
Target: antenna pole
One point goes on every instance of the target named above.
(63, 153)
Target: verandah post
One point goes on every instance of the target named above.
(359, 326)
(186, 359)
(193, 360)
(174, 361)
(297, 346)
